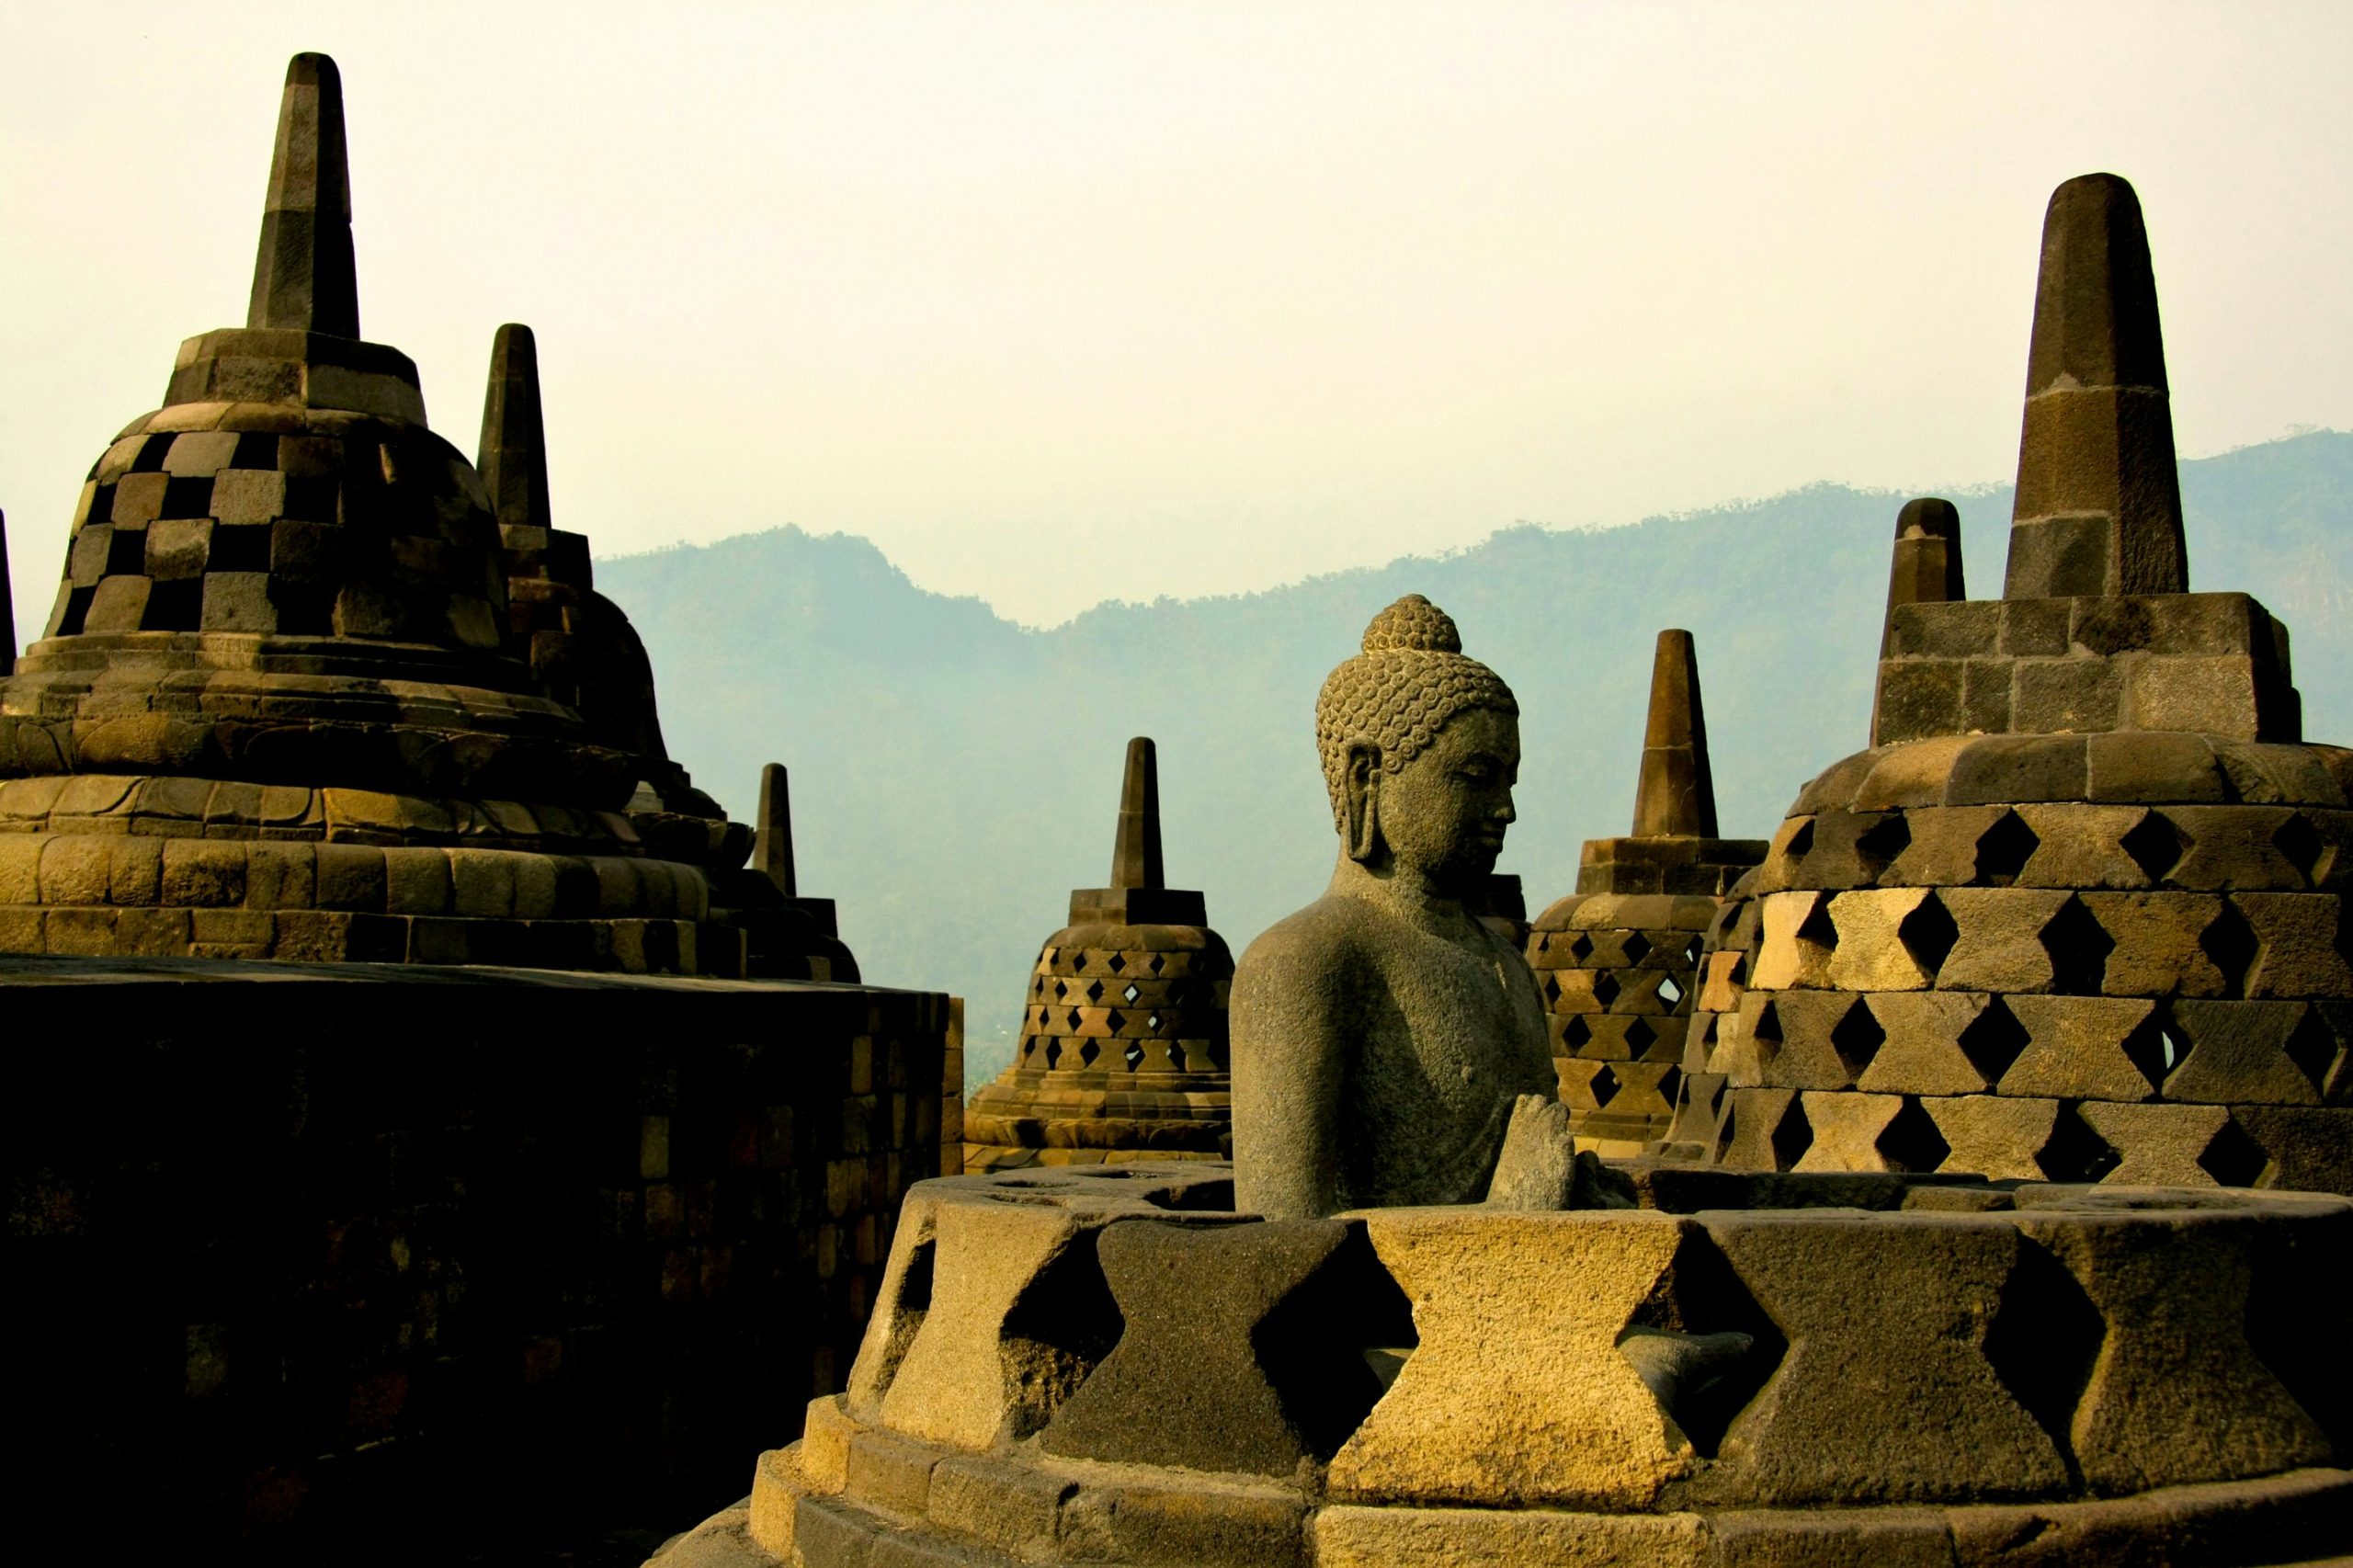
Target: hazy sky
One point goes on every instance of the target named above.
(1063, 301)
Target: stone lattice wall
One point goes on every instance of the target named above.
(394, 1253)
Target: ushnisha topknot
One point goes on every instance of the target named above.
(1410, 679)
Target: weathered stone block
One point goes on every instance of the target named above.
(1995, 1136)
(1349, 1537)
(1870, 954)
(1847, 1130)
(2082, 1048)
(1795, 947)
(1518, 1393)
(1885, 1393)
(1997, 942)
(2157, 768)
(2011, 768)
(2072, 694)
(2305, 939)
(2157, 949)
(2157, 1145)
(1923, 1052)
(2218, 695)
(2080, 846)
(2240, 1052)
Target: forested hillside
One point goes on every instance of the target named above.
(954, 775)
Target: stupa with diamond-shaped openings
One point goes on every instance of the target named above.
(2079, 913)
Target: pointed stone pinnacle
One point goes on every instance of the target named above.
(772, 847)
(1135, 857)
(1677, 795)
(2098, 506)
(514, 456)
(1926, 567)
(303, 276)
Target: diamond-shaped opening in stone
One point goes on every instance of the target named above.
(1115, 1020)
(1152, 1022)
(1118, 962)
(1053, 1053)
(1094, 991)
(2078, 947)
(2043, 1340)
(1155, 963)
(1135, 1054)
(1604, 988)
(2303, 846)
(2234, 1159)
(1072, 1019)
(2074, 1151)
(1061, 991)
(1582, 948)
(1767, 1033)
(1880, 844)
(1552, 987)
(2156, 1047)
(1669, 992)
(2311, 1046)
(1176, 1053)
(1910, 1140)
(2232, 943)
(1993, 1039)
(1857, 1038)
(1177, 991)
(1817, 928)
(1732, 1348)
(1691, 951)
(1640, 1036)
(1131, 993)
(2002, 850)
(1800, 843)
(1637, 947)
(1603, 1086)
(1087, 1052)
(1928, 934)
(2155, 846)
(1575, 1031)
(1669, 1082)
(1792, 1135)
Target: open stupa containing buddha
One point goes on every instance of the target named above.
(1617, 959)
(2078, 914)
(316, 687)
(1122, 1055)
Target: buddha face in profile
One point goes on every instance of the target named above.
(1421, 749)
(1439, 818)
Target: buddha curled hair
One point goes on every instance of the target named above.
(1410, 679)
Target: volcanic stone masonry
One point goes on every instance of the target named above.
(1122, 1053)
(335, 1261)
(275, 714)
(2080, 912)
(1617, 959)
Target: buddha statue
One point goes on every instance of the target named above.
(1382, 1037)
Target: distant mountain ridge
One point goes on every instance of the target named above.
(954, 774)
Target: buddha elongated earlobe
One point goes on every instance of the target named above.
(1363, 797)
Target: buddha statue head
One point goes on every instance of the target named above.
(1420, 746)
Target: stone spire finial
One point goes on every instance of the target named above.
(1135, 856)
(304, 277)
(772, 848)
(2098, 498)
(514, 457)
(1926, 568)
(1676, 796)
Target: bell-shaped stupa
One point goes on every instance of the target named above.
(2079, 913)
(1122, 1053)
(278, 709)
(1616, 960)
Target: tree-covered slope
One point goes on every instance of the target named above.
(954, 775)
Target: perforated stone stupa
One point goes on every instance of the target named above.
(1122, 1053)
(300, 698)
(1617, 959)
(2079, 913)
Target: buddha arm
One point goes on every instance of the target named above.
(1292, 1058)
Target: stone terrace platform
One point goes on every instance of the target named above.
(333, 1262)
(1111, 1367)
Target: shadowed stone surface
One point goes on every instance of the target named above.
(1230, 1358)
(1382, 1033)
